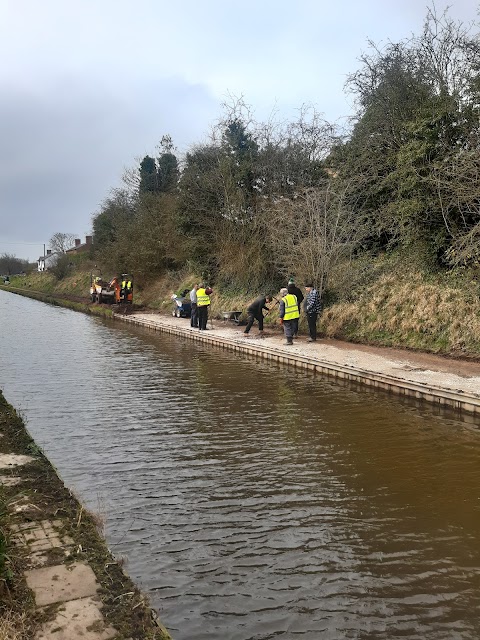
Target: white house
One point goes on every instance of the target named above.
(44, 263)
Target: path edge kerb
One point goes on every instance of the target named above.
(445, 398)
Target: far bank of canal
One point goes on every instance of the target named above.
(253, 501)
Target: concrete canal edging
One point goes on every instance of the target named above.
(447, 389)
(461, 400)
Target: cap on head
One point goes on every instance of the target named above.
(309, 286)
(291, 281)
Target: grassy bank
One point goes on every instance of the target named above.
(43, 495)
(385, 301)
(406, 308)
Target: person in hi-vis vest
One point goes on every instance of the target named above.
(203, 302)
(125, 289)
(288, 313)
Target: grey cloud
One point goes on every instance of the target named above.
(64, 149)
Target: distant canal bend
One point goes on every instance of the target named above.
(253, 502)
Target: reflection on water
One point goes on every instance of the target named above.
(253, 501)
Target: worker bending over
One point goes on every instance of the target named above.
(255, 312)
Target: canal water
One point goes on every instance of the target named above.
(253, 501)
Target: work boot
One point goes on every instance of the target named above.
(289, 341)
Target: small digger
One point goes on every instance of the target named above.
(118, 291)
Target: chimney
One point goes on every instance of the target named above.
(77, 242)
(49, 252)
(88, 240)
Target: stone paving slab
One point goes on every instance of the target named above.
(10, 460)
(10, 481)
(77, 619)
(40, 536)
(23, 504)
(61, 583)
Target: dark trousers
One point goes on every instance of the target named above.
(295, 326)
(202, 316)
(194, 315)
(289, 328)
(312, 325)
(251, 319)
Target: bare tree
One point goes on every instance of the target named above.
(10, 264)
(60, 242)
(316, 230)
(457, 184)
(450, 54)
(131, 178)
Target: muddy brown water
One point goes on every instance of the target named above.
(253, 501)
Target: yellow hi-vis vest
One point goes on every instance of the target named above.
(202, 299)
(291, 307)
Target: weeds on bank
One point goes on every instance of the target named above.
(6, 573)
(15, 603)
(14, 626)
(410, 310)
(15, 621)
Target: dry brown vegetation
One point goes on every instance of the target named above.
(406, 309)
(14, 626)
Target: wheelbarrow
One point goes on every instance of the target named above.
(182, 307)
(234, 316)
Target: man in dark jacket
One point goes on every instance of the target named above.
(255, 312)
(313, 306)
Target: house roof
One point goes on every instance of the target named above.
(48, 257)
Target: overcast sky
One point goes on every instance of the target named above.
(89, 86)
